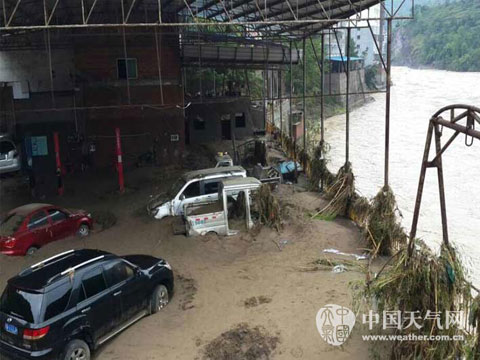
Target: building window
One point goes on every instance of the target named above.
(240, 120)
(198, 123)
(130, 66)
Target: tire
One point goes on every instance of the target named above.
(76, 350)
(31, 250)
(83, 230)
(160, 299)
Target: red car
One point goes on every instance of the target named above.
(29, 227)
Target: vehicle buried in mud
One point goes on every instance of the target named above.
(66, 306)
(193, 187)
(27, 228)
(231, 209)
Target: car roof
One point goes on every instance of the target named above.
(39, 278)
(248, 182)
(212, 171)
(28, 208)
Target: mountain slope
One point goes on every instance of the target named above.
(443, 36)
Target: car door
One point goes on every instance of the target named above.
(98, 304)
(129, 286)
(209, 189)
(190, 194)
(39, 227)
(61, 224)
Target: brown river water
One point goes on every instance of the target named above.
(416, 96)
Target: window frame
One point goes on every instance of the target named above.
(186, 187)
(57, 210)
(244, 119)
(209, 181)
(82, 286)
(111, 265)
(126, 68)
(46, 217)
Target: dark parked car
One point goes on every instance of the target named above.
(66, 306)
(25, 229)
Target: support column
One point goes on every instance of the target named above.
(387, 104)
(421, 183)
(281, 101)
(441, 184)
(118, 148)
(322, 105)
(347, 102)
(303, 100)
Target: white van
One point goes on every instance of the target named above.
(195, 186)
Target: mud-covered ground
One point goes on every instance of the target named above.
(249, 293)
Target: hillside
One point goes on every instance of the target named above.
(442, 36)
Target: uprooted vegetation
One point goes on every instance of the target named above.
(340, 193)
(419, 281)
(383, 231)
(268, 208)
(242, 342)
(422, 283)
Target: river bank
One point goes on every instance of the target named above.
(416, 95)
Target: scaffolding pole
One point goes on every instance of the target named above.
(347, 104)
(322, 105)
(303, 99)
(387, 101)
(280, 97)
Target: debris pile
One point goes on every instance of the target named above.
(105, 219)
(268, 208)
(318, 169)
(384, 232)
(242, 342)
(340, 193)
(424, 282)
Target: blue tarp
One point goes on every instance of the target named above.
(344, 58)
(287, 167)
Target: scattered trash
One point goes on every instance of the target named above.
(335, 251)
(339, 269)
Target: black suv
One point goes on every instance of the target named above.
(69, 304)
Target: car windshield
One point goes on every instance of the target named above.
(22, 304)
(176, 187)
(10, 224)
(6, 146)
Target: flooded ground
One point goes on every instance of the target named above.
(416, 96)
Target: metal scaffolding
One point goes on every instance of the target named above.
(263, 24)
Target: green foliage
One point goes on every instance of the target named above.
(445, 36)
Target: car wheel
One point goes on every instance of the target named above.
(83, 230)
(77, 350)
(160, 298)
(31, 250)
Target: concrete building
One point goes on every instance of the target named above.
(80, 97)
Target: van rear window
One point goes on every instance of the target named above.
(22, 304)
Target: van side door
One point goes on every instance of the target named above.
(209, 189)
(189, 195)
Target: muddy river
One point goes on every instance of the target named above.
(416, 95)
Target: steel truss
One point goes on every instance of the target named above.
(275, 21)
(465, 113)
